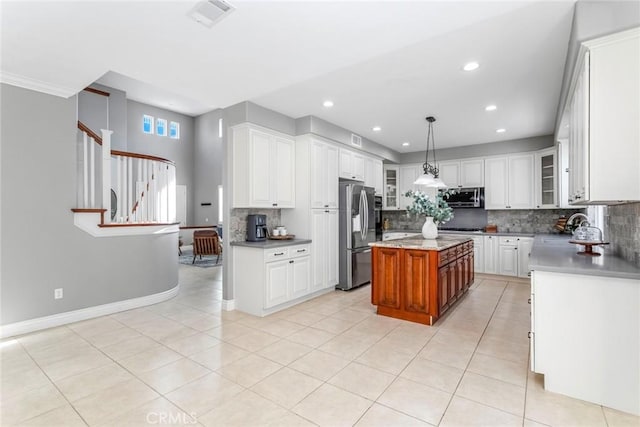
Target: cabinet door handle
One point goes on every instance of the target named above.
(291, 262)
(275, 204)
(278, 254)
(326, 206)
(529, 334)
(326, 211)
(302, 250)
(529, 301)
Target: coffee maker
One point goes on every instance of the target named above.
(256, 228)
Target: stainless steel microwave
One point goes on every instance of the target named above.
(467, 198)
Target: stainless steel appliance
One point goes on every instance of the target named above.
(377, 211)
(357, 230)
(467, 198)
(256, 228)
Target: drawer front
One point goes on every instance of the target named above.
(444, 257)
(299, 250)
(508, 240)
(276, 254)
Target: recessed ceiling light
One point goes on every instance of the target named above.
(501, 130)
(327, 104)
(405, 144)
(490, 108)
(377, 128)
(470, 66)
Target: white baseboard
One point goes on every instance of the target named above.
(228, 304)
(54, 320)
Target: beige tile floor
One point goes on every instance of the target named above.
(330, 362)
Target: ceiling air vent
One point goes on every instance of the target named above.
(209, 12)
(356, 140)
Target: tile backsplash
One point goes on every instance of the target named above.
(624, 231)
(514, 221)
(238, 222)
(528, 220)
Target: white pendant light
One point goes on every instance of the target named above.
(430, 176)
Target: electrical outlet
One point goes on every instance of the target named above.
(57, 293)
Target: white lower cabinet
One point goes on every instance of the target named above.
(268, 280)
(324, 238)
(585, 337)
(277, 273)
(524, 252)
(514, 255)
(491, 254)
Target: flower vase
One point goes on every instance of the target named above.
(429, 229)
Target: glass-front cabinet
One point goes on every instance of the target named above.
(546, 179)
(390, 197)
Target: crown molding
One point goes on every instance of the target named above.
(36, 85)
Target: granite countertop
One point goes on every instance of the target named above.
(270, 244)
(554, 253)
(478, 233)
(439, 244)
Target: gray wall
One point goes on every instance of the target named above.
(593, 19)
(207, 167)
(179, 151)
(481, 150)
(94, 110)
(317, 126)
(41, 248)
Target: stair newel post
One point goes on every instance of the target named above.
(106, 173)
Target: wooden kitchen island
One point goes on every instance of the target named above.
(419, 280)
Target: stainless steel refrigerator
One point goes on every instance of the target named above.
(357, 230)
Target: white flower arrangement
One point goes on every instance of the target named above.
(438, 209)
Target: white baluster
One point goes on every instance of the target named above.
(129, 186)
(119, 187)
(92, 175)
(85, 170)
(106, 173)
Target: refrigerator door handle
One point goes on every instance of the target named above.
(366, 216)
(362, 203)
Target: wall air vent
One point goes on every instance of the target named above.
(356, 140)
(209, 12)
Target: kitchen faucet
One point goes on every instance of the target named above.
(577, 215)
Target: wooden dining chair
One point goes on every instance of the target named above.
(206, 242)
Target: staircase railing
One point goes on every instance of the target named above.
(144, 186)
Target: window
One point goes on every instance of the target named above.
(161, 127)
(219, 204)
(147, 124)
(174, 130)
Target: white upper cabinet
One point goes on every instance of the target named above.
(408, 175)
(602, 112)
(509, 182)
(377, 177)
(324, 175)
(520, 182)
(351, 165)
(373, 174)
(263, 168)
(390, 197)
(495, 182)
(546, 179)
(472, 173)
(450, 174)
(462, 173)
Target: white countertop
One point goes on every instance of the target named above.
(554, 253)
(417, 242)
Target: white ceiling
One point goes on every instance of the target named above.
(382, 63)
